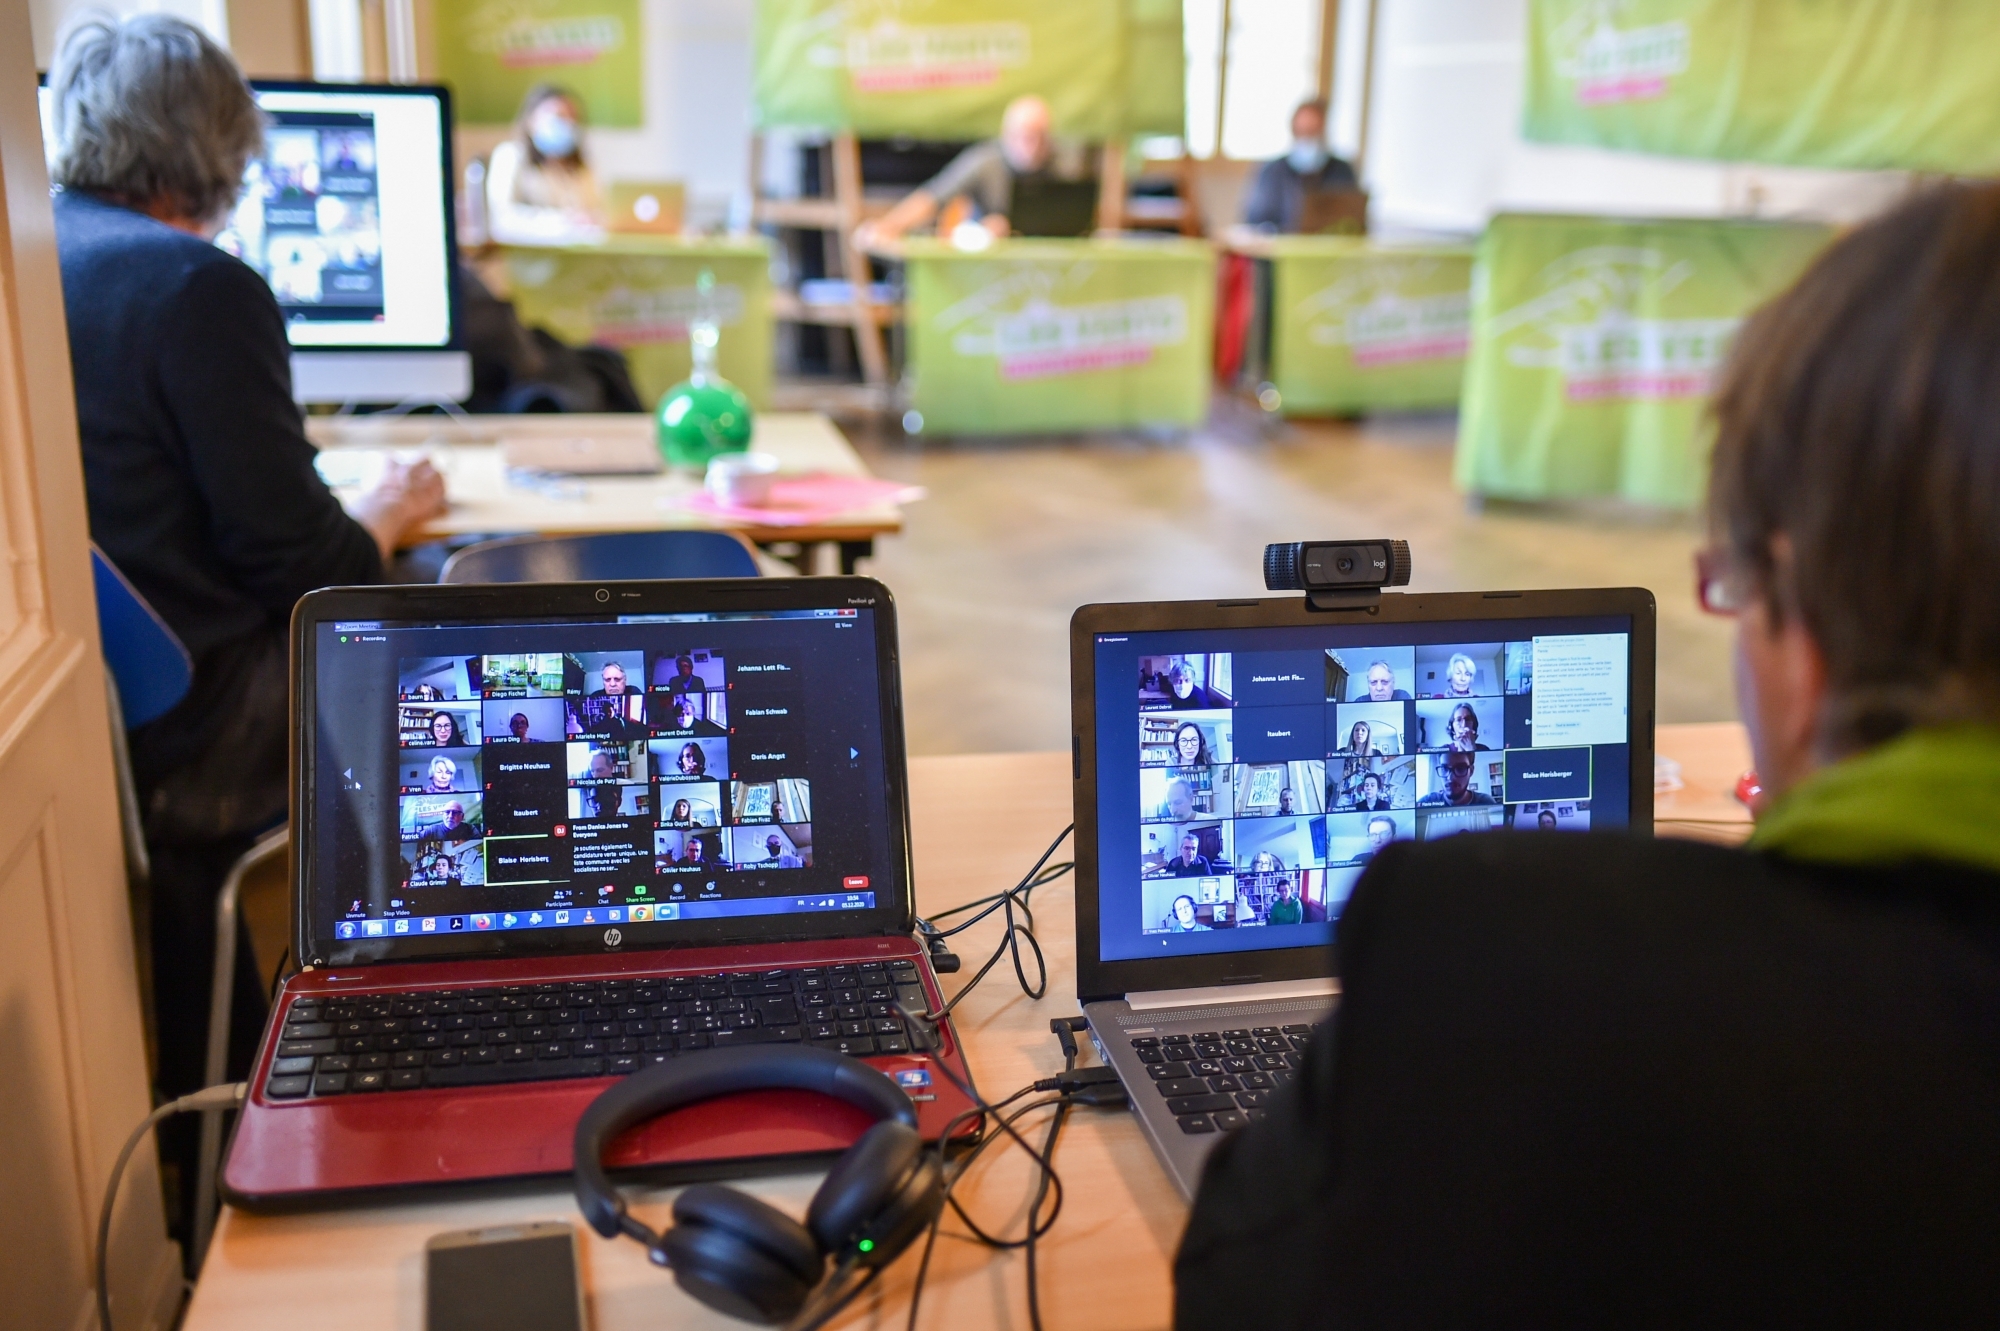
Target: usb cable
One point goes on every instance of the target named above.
(228, 1096)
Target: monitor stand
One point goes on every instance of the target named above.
(381, 376)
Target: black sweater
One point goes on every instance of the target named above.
(1600, 1081)
(199, 475)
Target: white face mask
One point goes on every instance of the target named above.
(1307, 156)
(555, 136)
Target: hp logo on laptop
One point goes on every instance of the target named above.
(613, 937)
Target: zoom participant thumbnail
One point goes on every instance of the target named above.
(442, 840)
(694, 759)
(1185, 683)
(1186, 739)
(609, 699)
(770, 846)
(438, 771)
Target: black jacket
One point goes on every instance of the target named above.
(201, 489)
(1601, 1081)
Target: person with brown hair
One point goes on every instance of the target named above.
(1603, 1080)
(539, 188)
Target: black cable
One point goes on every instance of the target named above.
(1015, 897)
(809, 1317)
(1095, 1086)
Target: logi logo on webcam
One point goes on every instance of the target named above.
(514, 34)
(1583, 326)
(1609, 64)
(1039, 338)
(1384, 315)
(892, 56)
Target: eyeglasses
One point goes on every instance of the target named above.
(1719, 586)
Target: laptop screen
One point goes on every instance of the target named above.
(1246, 776)
(649, 773)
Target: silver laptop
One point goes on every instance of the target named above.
(1238, 763)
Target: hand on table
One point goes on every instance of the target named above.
(407, 495)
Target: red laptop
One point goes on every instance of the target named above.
(544, 835)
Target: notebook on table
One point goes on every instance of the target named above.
(1239, 762)
(547, 834)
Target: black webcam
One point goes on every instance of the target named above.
(1337, 575)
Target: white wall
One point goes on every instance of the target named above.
(48, 16)
(1446, 151)
(697, 130)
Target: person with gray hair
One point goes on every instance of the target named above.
(197, 471)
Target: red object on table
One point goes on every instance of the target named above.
(1749, 790)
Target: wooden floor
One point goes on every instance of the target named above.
(1017, 533)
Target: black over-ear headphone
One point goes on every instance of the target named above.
(740, 1255)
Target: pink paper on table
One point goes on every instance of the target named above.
(802, 501)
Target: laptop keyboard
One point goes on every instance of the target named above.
(349, 1044)
(1217, 1081)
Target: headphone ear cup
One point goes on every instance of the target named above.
(740, 1256)
(885, 1189)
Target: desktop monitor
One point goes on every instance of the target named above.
(348, 215)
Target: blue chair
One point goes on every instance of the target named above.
(147, 661)
(611, 557)
(148, 672)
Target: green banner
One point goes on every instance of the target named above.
(1361, 326)
(492, 51)
(638, 295)
(944, 69)
(1865, 84)
(1059, 335)
(1594, 342)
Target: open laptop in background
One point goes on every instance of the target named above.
(1046, 205)
(1337, 212)
(1239, 762)
(645, 207)
(546, 834)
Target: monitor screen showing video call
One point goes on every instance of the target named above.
(345, 213)
(1245, 777)
(647, 770)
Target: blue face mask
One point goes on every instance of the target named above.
(553, 137)
(1307, 156)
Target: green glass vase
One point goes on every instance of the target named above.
(700, 418)
(704, 414)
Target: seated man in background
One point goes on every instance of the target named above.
(198, 473)
(1277, 198)
(983, 177)
(1601, 1080)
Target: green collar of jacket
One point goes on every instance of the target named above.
(1931, 794)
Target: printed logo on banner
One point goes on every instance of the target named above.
(1042, 340)
(1609, 64)
(621, 314)
(1583, 326)
(905, 57)
(525, 42)
(1368, 312)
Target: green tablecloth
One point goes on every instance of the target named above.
(638, 294)
(1594, 341)
(1059, 335)
(1356, 325)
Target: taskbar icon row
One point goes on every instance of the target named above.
(638, 912)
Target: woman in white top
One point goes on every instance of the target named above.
(538, 187)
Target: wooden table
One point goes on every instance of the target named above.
(978, 821)
(487, 500)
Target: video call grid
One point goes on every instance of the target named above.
(1269, 779)
(591, 766)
